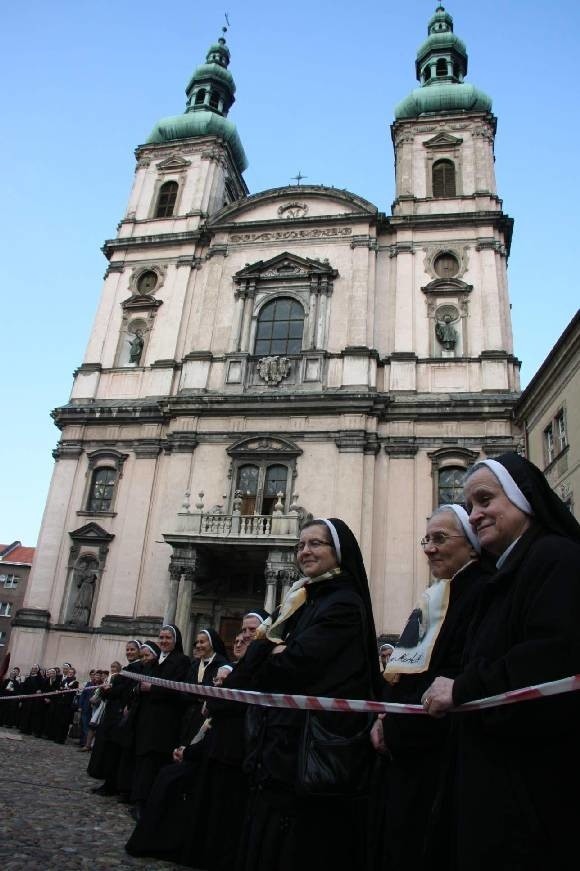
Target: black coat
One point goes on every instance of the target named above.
(160, 711)
(509, 799)
(193, 717)
(326, 654)
(417, 744)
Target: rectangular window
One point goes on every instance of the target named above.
(5, 609)
(2, 639)
(549, 444)
(561, 430)
(11, 582)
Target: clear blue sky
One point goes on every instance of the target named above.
(84, 82)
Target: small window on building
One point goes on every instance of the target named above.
(10, 582)
(166, 199)
(549, 444)
(451, 485)
(280, 328)
(427, 73)
(561, 433)
(2, 639)
(441, 68)
(444, 179)
(446, 265)
(5, 609)
(102, 490)
(214, 100)
(200, 97)
(259, 485)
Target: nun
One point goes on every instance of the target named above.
(321, 641)
(158, 715)
(209, 655)
(431, 643)
(506, 804)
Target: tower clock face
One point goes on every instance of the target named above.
(147, 282)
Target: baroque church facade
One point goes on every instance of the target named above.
(258, 358)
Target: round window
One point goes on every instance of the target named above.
(446, 265)
(147, 282)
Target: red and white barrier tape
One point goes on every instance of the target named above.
(32, 696)
(321, 703)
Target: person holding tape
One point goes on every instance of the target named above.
(302, 813)
(505, 805)
(431, 644)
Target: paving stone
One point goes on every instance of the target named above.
(50, 819)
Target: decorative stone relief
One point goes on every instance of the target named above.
(285, 235)
(456, 250)
(293, 210)
(273, 370)
(445, 332)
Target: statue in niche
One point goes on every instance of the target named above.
(85, 580)
(136, 345)
(446, 333)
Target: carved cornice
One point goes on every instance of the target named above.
(291, 235)
(147, 449)
(180, 443)
(67, 451)
(33, 618)
(155, 240)
(401, 447)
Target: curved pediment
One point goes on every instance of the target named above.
(294, 204)
(265, 447)
(447, 285)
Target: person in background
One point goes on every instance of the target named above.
(91, 697)
(64, 705)
(431, 643)
(385, 651)
(505, 803)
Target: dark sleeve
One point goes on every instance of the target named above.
(546, 642)
(312, 651)
(179, 671)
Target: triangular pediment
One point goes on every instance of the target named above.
(285, 266)
(174, 162)
(447, 285)
(91, 532)
(443, 140)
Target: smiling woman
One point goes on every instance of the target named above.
(508, 760)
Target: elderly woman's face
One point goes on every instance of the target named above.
(452, 550)
(494, 518)
(315, 552)
(166, 640)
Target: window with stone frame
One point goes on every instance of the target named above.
(280, 328)
(166, 199)
(9, 581)
(2, 639)
(6, 609)
(555, 437)
(102, 490)
(258, 486)
(450, 485)
(444, 182)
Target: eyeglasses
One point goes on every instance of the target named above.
(314, 544)
(437, 539)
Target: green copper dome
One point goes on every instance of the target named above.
(210, 95)
(200, 123)
(440, 66)
(443, 97)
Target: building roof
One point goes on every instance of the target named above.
(16, 553)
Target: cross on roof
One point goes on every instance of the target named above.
(298, 177)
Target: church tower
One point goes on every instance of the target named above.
(256, 359)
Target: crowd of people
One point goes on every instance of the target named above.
(219, 784)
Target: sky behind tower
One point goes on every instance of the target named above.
(317, 83)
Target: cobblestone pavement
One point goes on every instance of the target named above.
(49, 818)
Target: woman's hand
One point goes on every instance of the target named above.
(145, 687)
(378, 735)
(178, 754)
(280, 648)
(438, 698)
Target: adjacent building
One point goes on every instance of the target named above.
(259, 357)
(549, 413)
(15, 564)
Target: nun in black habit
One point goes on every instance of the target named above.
(321, 642)
(158, 715)
(506, 804)
(210, 654)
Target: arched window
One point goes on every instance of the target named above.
(214, 100)
(166, 200)
(450, 485)
(200, 97)
(441, 68)
(259, 485)
(444, 179)
(280, 328)
(102, 489)
(427, 73)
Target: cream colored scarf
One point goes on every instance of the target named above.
(293, 601)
